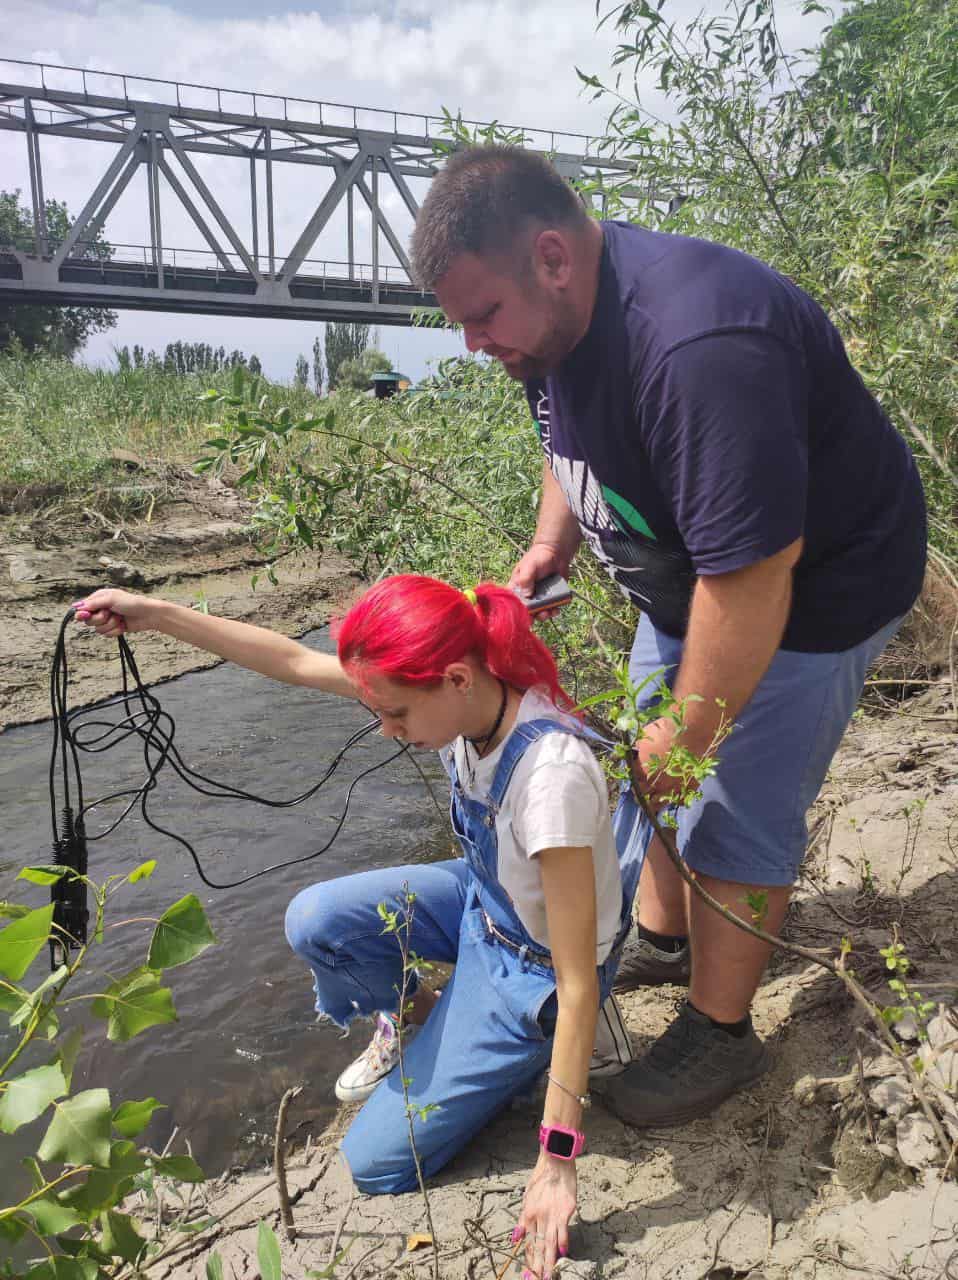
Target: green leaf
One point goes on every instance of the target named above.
(304, 531)
(22, 941)
(67, 1051)
(134, 1003)
(214, 1267)
(181, 933)
(32, 1167)
(79, 1132)
(43, 874)
(60, 1267)
(237, 382)
(193, 1228)
(29, 1095)
(12, 910)
(267, 1251)
(52, 1217)
(11, 1229)
(182, 1168)
(131, 1118)
(11, 1001)
(35, 997)
(143, 871)
(104, 1187)
(120, 1237)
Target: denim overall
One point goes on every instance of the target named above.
(489, 1037)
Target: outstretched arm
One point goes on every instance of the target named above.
(111, 613)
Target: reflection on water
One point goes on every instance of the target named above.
(247, 1030)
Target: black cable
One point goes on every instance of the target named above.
(146, 721)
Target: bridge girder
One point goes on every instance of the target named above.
(233, 277)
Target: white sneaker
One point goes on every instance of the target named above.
(376, 1061)
(613, 1049)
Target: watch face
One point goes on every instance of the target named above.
(560, 1144)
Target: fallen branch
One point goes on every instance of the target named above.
(279, 1161)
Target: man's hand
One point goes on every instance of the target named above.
(539, 562)
(651, 751)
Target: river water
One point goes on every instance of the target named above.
(247, 1030)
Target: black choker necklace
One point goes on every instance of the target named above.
(481, 743)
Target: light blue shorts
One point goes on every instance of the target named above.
(749, 826)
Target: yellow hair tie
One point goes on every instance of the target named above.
(471, 596)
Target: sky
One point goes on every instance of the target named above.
(512, 61)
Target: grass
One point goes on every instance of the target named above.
(60, 422)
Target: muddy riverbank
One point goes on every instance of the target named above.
(196, 548)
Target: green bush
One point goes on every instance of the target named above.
(69, 1208)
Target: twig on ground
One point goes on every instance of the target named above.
(279, 1161)
(509, 1261)
(864, 1092)
(340, 1224)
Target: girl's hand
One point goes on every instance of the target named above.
(547, 1206)
(112, 613)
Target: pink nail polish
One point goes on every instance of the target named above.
(563, 1251)
(516, 1235)
(83, 614)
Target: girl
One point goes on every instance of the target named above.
(532, 916)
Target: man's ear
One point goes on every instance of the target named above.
(552, 258)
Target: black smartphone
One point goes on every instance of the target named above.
(549, 593)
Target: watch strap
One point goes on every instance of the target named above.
(570, 1138)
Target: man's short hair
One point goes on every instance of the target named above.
(482, 201)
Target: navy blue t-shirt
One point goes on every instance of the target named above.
(708, 418)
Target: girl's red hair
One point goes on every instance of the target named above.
(409, 628)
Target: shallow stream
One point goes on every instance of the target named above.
(246, 1029)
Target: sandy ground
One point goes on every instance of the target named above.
(786, 1180)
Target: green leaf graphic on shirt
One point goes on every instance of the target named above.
(538, 427)
(627, 512)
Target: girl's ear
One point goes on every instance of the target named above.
(462, 678)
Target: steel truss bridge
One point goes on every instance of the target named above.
(159, 126)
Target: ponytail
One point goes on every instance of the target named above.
(410, 628)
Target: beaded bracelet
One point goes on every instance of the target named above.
(583, 1099)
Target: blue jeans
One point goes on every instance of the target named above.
(749, 826)
(486, 1041)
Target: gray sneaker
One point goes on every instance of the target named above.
(643, 965)
(688, 1071)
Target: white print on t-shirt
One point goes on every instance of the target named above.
(583, 493)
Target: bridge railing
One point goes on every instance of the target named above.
(79, 81)
(358, 275)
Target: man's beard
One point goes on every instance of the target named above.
(553, 349)
(528, 367)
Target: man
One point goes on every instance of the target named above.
(706, 436)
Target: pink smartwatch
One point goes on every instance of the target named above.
(563, 1143)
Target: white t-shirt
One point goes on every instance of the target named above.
(557, 799)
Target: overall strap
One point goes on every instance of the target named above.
(518, 743)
